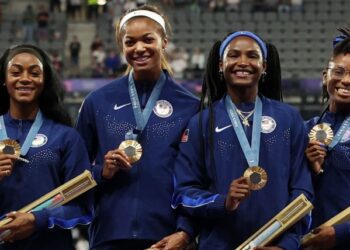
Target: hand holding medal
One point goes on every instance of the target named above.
(11, 147)
(115, 160)
(255, 176)
(238, 191)
(321, 135)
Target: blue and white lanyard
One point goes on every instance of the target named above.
(142, 117)
(34, 129)
(251, 153)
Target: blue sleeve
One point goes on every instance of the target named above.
(86, 127)
(342, 233)
(192, 183)
(74, 161)
(299, 182)
(186, 224)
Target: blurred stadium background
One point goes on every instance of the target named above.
(302, 30)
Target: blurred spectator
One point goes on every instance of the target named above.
(98, 62)
(97, 69)
(198, 59)
(112, 63)
(114, 10)
(74, 50)
(232, 5)
(74, 9)
(97, 42)
(92, 9)
(271, 5)
(179, 62)
(284, 6)
(57, 62)
(15, 30)
(195, 9)
(28, 21)
(63, 5)
(170, 49)
(56, 35)
(42, 19)
(55, 5)
(216, 5)
(297, 5)
(99, 55)
(259, 5)
(129, 4)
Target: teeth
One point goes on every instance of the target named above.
(141, 59)
(24, 89)
(343, 91)
(242, 73)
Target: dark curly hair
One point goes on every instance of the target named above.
(51, 99)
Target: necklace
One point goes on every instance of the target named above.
(245, 116)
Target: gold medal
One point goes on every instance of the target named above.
(132, 149)
(321, 133)
(256, 176)
(11, 147)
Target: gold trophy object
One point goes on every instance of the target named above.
(343, 216)
(291, 214)
(59, 196)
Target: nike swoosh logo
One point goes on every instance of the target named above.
(116, 107)
(218, 130)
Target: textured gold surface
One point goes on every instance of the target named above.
(132, 149)
(321, 133)
(257, 177)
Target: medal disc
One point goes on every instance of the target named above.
(321, 133)
(10, 147)
(256, 176)
(132, 149)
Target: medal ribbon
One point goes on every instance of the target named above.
(251, 153)
(142, 117)
(340, 133)
(34, 129)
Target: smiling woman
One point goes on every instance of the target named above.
(25, 82)
(32, 115)
(134, 146)
(331, 162)
(242, 142)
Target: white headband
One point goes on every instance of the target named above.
(150, 14)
